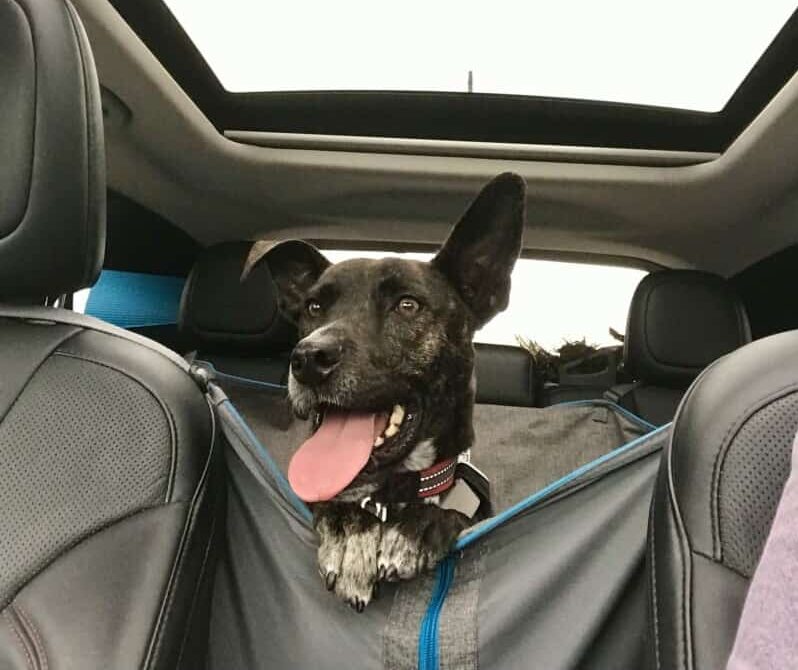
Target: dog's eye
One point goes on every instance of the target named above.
(313, 308)
(407, 305)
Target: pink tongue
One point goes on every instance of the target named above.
(333, 456)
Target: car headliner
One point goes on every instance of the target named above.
(717, 211)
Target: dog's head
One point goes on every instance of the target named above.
(385, 360)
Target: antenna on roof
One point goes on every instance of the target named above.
(470, 81)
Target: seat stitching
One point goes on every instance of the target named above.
(717, 562)
(80, 540)
(91, 140)
(200, 577)
(34, 633)
(13, 625)
(35, 138)
(654, 611)
(36, 369)
(178, 565)
(739, 421)
(673, 507)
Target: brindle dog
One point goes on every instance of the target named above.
(385, 370)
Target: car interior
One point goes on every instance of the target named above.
(145, 426)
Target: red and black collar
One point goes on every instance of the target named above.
(437, 478)
(409, 487)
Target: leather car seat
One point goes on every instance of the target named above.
(108, 481)
(717, 491)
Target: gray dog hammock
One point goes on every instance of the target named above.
(553, 580)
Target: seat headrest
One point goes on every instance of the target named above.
(52, 159)
(679, 322)
(220, 313)
(504, 375)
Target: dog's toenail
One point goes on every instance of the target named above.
(361, 605)
(381, 573)
(329, 582)
(392, 575)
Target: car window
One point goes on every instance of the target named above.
(552, 302)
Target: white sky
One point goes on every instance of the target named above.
(682, 53)
(551, 301)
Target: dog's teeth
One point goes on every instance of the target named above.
(379, 441)
(391, 430)
(398, 415)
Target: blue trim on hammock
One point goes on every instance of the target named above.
(546, 491)
(271, 466)
(428, 639)
(600, 402)
(235, 378)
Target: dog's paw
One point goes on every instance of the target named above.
(332, 547)
(417, 543)
(347, 559)
(357, 578)
(405, 556)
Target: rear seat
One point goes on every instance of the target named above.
(679, 322)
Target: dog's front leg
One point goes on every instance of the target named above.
(415, 539)
(349, 539)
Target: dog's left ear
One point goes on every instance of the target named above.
(479, 255)
(294, 265)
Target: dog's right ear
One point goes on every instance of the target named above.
(479, 255)
(294, 265)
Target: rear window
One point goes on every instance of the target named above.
(552, 302)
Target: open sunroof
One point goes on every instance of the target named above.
(682, 54)
(683, 75)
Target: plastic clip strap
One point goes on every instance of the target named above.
(377, 509)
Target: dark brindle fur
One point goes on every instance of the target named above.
(388, 351)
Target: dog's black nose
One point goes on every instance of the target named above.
(312, 362)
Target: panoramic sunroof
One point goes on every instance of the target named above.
(685, 54)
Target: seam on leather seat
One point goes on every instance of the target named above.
(35, 112)
(653, 567)
(739, 421)
(722, 565)
(178, 564)
(44, 359)
(85, 82)
(33, 634)
(174, 437)
(83, 538)
(681, 533)
(200, 578)
(12, 624)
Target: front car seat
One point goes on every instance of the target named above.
(717, 491)
(107, 474)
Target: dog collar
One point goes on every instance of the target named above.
(451, 484)
(437, 478)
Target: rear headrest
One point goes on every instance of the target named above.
(220, 313)
(504, 375)
(679, 322)
(52, 160)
